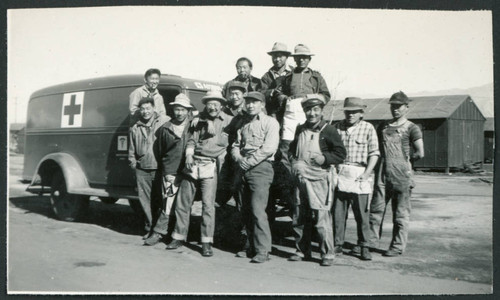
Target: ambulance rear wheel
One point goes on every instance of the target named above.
(66, 207)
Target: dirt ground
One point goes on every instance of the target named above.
(449, 251)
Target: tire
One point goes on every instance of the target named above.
(66, 207)
(136, 207)
(108, 200)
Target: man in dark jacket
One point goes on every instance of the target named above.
(275, 75)
(316, 147)
(244, 68)
(141, 154)
(172, 140)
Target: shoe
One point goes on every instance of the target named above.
(295, 257)
(326, 262)
(392, 253)
(365, 254)
(153, 239)
(338, 250)
(146, 235)
(356, 250)
(206, 250)
(260, 258)
(174, 244)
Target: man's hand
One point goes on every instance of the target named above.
(189, 162)
(244, 165)
(297, 169)
(133, 165)
(363, 177)
(318, 159)
(195, 121)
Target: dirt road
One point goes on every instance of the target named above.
(449, 251)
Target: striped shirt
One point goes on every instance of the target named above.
(360, 141)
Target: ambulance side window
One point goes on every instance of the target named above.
(168, 93)
(195, 97)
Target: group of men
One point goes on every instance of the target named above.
(232, 148)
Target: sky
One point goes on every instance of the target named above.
(358, 51)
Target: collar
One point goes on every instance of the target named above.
(150, 121)
(306, 70)
(204, 115)
(346, 126)
(286, 70)
(145, 88)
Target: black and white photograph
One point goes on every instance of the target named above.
(249, 150)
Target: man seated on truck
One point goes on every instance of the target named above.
(149, 90)
(172, 138)
(141, 155)
(206, 147)
(244, 69)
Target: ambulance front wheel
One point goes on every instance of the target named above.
(66, 207)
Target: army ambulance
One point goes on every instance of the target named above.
(77, 139)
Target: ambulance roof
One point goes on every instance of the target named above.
(122, 81)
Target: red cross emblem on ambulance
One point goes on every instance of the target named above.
(72, 108)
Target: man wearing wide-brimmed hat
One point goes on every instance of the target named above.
(172, 138)
(302, 81)
(272, 78)
(355, 178)
(394, 177)
(317, 147)
(205, 147)
(253, 151)
(244, 68)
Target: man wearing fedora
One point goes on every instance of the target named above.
(316, 148)
(206, 145)
(272, 78)
(253, 151)
(244, 68)
(394, 176)
(172, 138)
(355, 178)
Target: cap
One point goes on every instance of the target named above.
(312, 100)
(399, 98)
(237, 84)
(255, 96)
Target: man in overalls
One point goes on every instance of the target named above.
(394, 177)
(355, 175)
(316, 147)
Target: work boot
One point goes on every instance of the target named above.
(338, 250)
(295, 257)
(356, 250)
(392, 253)
(174, 244)
(260, 258)
(365, 254)
(206, 250)
(326, 262)
(153, 239)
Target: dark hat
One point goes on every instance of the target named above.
(234, 84)
(311, 100)
(213, 95)
(279, 47)
(399, 98)
(256, 96)
(302, 49)
(354, 103)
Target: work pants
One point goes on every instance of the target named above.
(361, 214)
(401, 207)
(148, 191)
(254, 192)
(303, 220)
(167, 209)
(185, 198)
